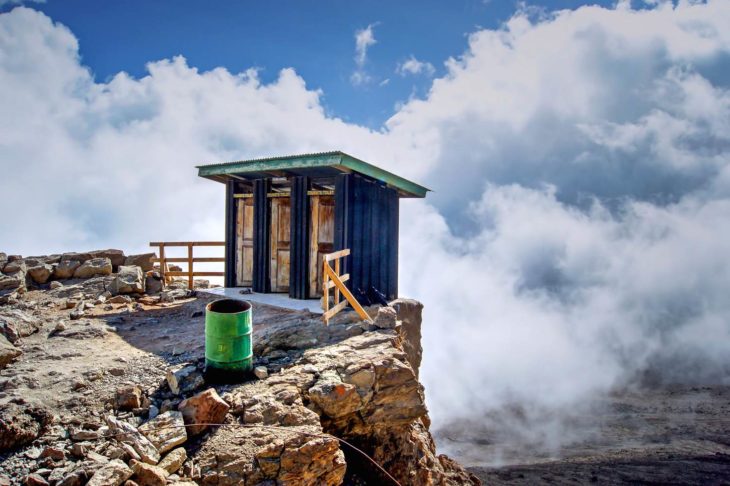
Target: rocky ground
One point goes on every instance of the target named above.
(674, 434)
(101, 383)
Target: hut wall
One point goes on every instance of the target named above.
(229, 279)
(366, 221)
(299, 241)
(261, 236)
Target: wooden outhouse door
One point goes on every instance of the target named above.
(280, 243)
(322, 238)
(244, 242)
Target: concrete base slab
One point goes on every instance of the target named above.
(276, 300)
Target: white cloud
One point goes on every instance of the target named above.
(364, 38)
(577, 236)
(415, 67)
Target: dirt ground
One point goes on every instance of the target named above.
(665, 435)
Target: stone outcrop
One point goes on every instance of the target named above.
(129, 280)
(166, 431)
(65, 269)
(144, 261)
(204, 408)
(93, 268)
(16, 324)
(8, 352)
(20, 426)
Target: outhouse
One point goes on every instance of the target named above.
(284, 213)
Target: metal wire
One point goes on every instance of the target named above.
(276, 427)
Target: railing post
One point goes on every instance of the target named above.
(162, 265)
(190, 266)
(337, 289)
(326, 291)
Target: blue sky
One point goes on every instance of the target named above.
(315, 38)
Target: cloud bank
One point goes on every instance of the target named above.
(577, 237)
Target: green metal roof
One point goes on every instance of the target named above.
(324, 164)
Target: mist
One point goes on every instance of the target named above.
(576, 240)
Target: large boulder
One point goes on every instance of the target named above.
(113, 473)
(184, 379)
(8, 352)
(11, 282)
(126, 433)
(143, 260)
(204, 408)
(94, 268)
(65, 269)
(153, 283)
(16, 324)
(129, 280)
(115, 256)
(41, 272)
(3, 260)
(21, 426)
(166, 431)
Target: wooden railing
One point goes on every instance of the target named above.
(332, 279)
(163, 260)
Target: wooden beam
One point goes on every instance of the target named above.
(346, 292)
(196, 260)
(195, 274)
(343, 278)
(337, 308)
(338, 254)
(186, 243)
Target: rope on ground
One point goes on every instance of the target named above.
(278, 427)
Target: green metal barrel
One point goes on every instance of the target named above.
(228, 347)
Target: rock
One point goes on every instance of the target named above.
(153, 283)
(79, 450)
(77, 477)
(56, 285)
(126, 433)
(41, 273)
(113, 473)
(115, 256)
(174, 460)
(20, 426)
(65, 269)
(11, 282)
(153, 412)
(205, 407)
(335, 398)
(128, 397)
(76, 314)
(148, 475)
(409, 313)
(386, 318)
(129, 280)
(16, 324)
(261, 372)
(55, 453)
(35, 480)
(15, 266)
(94, 268)
(143, 260)
(120, 299)
(8, 352)
(185, 379)
(166, 431)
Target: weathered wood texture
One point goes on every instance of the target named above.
(190, 260)
(331, 278)
(366, 222)
(244, 242)
(280, 243)
(322, 235)
(299, 239)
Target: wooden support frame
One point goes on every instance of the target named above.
(332, 278)
(190, 259)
